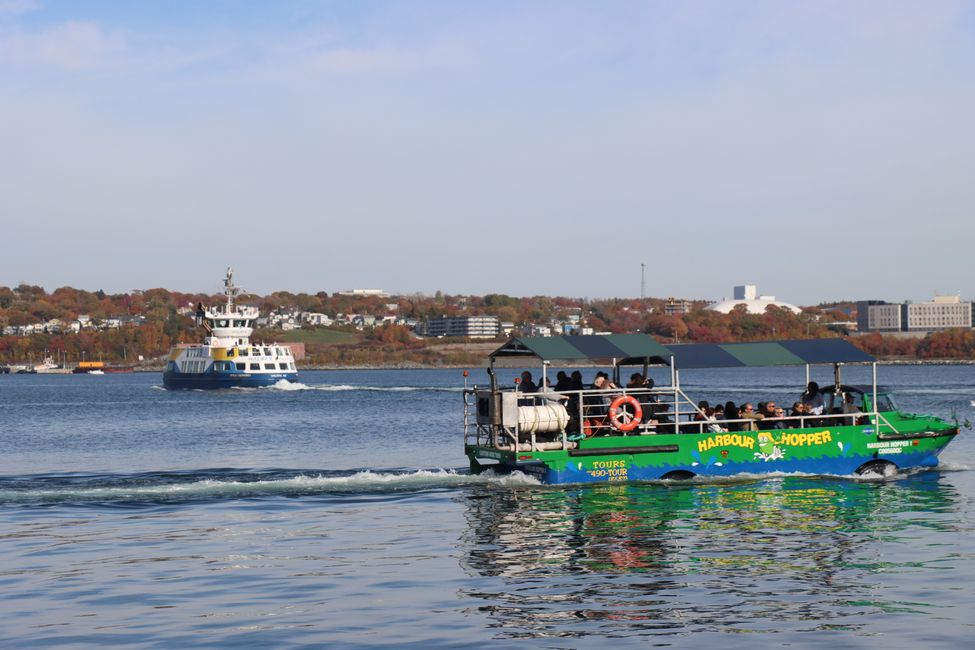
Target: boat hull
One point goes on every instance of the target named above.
(837, 451)
(215, 380)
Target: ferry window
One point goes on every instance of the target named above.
(222, 322)
(241, 366)
(245, 352)
(292, 366)
(269, 366)
(282, 366)
(255, 366)
(239, 323)
(885, 402)
(171, 366)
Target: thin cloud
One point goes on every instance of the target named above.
(18, 7)
(72, 45)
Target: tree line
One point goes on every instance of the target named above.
(165, 325)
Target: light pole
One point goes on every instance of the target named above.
(643, 281)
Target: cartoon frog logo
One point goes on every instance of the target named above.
(768, 447)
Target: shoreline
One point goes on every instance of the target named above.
(422, 366)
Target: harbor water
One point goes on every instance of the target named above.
(338, 512)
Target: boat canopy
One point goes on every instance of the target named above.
(632, 349)
(767, 353)
(625, 349)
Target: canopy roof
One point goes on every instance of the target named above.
(767, 353)
(630, 349)
(626, 349)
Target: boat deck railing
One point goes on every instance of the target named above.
(510, 420)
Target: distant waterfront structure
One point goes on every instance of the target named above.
(675, 306)
(365, 293)
(944, 312)
(472, 327)
(746, 294)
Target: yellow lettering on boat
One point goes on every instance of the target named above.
(608, 464)
(806, 439)
(726, 440)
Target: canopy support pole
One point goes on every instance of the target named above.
(876, 420)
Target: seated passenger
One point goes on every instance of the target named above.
(747, 412)
(776, 420)
(575, 382)
(575, 385)
(562, 382)
(660, 413)
(527, 385)
(547, 394)
(798, 410)
(597, 405)
(850, 408)
(731, 413)
(637, 380)
(718, 412)
(703, 411)
(813, 399)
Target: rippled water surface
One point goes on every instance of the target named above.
(339, 513)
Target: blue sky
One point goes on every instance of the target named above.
(821, 150)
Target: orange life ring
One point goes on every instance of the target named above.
(620, 419)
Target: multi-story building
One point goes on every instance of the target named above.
(673, 306)
(472, 327)
(944, 312)
(879, 316)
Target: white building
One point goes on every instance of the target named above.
(746, 295)
(944, 312)
(472, 327)
(315, 319)
(365, 293)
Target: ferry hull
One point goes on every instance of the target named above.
(681, 456)
(213, 381)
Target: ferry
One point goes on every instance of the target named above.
(654, 432)
(226, 358)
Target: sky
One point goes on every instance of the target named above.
(820, 150)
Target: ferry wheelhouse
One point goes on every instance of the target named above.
(227, 358)
(658, 432)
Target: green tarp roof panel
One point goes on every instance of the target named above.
(762, 354)
(595, 347)
(620, 346)
(544, 347)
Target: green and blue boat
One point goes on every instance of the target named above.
(659, 433)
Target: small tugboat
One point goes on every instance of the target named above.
(227, 359)
(647, 432)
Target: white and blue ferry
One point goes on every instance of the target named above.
(227, 358)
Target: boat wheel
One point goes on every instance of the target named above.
(678, 475)
(877, 468)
